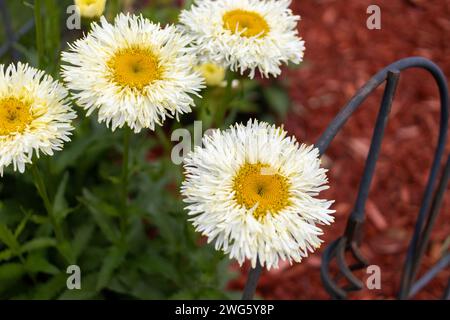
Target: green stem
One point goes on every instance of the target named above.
(53, 34)
(39, 26)
(124, 180)
(42, 190)
(229, 120)
(167, 144)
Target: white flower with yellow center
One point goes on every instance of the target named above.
(133, 72)
(90, 8)
(245, 34)
(34, 116)
(252, 190)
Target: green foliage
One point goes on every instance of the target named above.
(157, 256)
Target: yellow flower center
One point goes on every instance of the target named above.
(135, 68)
(247, 23)
(15, 116)
(260, 184)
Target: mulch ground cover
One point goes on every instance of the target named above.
(341, 55)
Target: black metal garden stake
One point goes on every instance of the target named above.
(429, 210)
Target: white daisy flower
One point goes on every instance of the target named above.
(252, 190)
(245, 34)
(133, 72)
(34, 115)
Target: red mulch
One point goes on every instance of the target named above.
(341, 55)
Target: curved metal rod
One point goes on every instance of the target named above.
(358, 214)
(353, 231)
(335, 249)
(400, 65)
(362, 262)
(355, 283)
(330, 284)
(344, 115)
(325, 139)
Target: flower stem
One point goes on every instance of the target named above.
(53, 34)
(230, 119)
(124, 180)
(42, 190)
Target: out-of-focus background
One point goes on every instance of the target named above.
(341, 55)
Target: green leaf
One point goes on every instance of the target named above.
(36, 263)
(72, 153)
(131, 283)
(107, 227)
(7, 237)
(82, 237)
(10, 274)
(152, 263)
(184, 294)
(278, 100)
(66, 250)
(59, 204)
(51, 288)
(21, 225)
(145, 291)
(112, 261)
(87, 291)
(39, 219)
(6, 254)
(100, 205)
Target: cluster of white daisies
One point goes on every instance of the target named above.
(250, 189)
